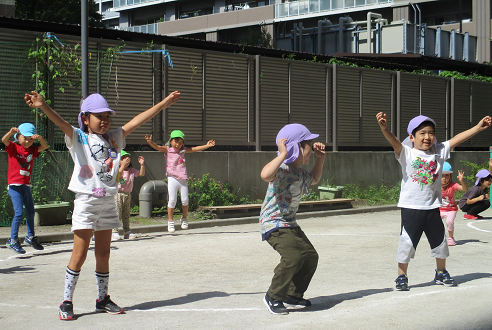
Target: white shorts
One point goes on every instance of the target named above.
(96, 213)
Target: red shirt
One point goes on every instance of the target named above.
(448, 202)
(20, 163)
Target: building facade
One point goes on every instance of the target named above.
(339, 22)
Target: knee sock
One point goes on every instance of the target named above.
(71, 278)
(102, 285)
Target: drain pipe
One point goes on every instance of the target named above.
(369, 21)
(145, 197)
(341, 28)
(321, 23)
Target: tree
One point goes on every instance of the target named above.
(59, 11)
(257, 36)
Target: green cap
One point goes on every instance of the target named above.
(177, 133)
(124, 153)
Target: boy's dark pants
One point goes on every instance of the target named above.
(297, 265)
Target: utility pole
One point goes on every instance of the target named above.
(84, 41)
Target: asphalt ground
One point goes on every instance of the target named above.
(216, 278)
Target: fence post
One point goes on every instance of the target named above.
(258, 103)
(335, 109)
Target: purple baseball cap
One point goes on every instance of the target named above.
(480, 175)
(294, 133)
(94, 103)
(415, 122)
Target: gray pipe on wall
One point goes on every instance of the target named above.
(146, 193)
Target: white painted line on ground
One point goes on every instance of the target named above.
(359, 235)
(470, 224)
(205, 310)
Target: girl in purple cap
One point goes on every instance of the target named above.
(476, 199)
(421, 159)
(287, 181)
(95, 151)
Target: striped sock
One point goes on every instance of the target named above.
(71, 278)
(102, 285)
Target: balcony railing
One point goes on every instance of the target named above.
(149, 28)
(296, 8)
(125, 3)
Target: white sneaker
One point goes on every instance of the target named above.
(115, 236)
(170, 227)
(129, 235)
(184, 223)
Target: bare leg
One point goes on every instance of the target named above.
(102, 250)
(185, 211)
(81, 241)
(170, 214)
(402, 268)
(440, 264)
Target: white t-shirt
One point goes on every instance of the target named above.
(421, 176)
(96, 161)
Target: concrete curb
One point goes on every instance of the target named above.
(67, 236)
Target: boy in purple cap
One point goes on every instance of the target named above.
(476, 199)
(287, 182)
(21, 156)
(95, 151)
(421, 159)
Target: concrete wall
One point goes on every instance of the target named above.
(242, 169)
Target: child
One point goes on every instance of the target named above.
(21, 156)
(287, 181)
(177, 178)
(123, 198)
(476, 200)
(421, 159)
(449, 207)
(96, 154)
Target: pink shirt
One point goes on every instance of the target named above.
(125, 182)
(176, 164)
(448, 202)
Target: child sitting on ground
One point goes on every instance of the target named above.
(449, 207)
(476, 199)
(421, 159)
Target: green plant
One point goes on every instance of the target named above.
(473, 169)
(257, 37)
(135, 209)
(373, 195)
(312, 196)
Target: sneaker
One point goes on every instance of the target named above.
(184, 223)
(33, 241)
(443, 277)
(115, 236)
(467, 216)
(402, 283)
(170, 227)
(295, 303)
(15, 245)
(451, 241)
(108, 306)
(275, 306)
(66, 311)
(129, 235)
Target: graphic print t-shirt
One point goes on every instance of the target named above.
(95, 172)
(421, 176)
(448, 201)
(20, 163)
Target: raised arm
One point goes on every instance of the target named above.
(460, 177)
(209, 144)
(145, 116)
(15, 130)
(34, 100)
(154, 145)
(43, 145)
(268, 172)
(317, 170)
(463, 136)
(395, 143)
(141, 160)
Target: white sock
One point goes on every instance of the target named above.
(102, 285)
(71, 278)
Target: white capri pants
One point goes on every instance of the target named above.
(173, 185)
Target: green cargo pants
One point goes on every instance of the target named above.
(298, 262)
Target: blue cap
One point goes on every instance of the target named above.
(26, 129)
(446, 168)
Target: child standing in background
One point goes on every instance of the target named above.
(21, 156)
(96, 154)
(126, 176)
(287, 182)
(476, 199)
(449, 207)
(177, 177)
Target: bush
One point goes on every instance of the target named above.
(373, 194)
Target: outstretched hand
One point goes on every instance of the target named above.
(211, 143)
(34, 100)
(460, 176)
(382, 121)
(485, 123)
(141, 160)
(171, 98)
(148, 138)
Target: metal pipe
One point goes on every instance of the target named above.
(84, 40)
(146, 194)
(370, 15)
